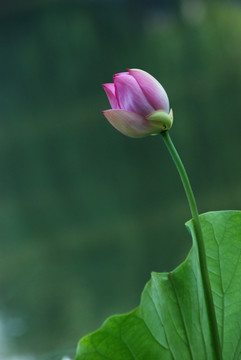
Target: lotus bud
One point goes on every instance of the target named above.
(140, 106)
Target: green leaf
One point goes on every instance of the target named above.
(171, 321)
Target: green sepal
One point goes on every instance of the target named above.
(163, 119)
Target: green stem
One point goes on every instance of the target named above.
(200, 244)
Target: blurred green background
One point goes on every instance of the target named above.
(86, 213)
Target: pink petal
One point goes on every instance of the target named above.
(152, 89)
(130, 96)
(110, 92)
(130, 124)
(120, 74)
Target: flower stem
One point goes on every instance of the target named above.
(200, 244)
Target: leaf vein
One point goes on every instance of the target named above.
(170, 276)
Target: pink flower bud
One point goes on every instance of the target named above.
(140, 105)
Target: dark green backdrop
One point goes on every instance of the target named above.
(86, 213)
